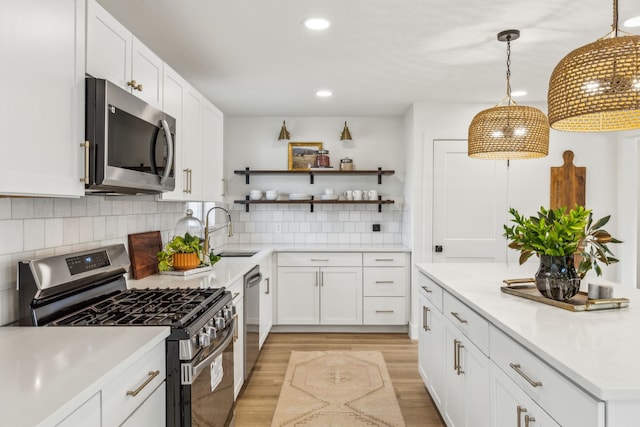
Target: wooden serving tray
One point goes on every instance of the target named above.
(579, 302)
(185, 273)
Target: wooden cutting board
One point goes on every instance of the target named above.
(568, 183)
(143, 249)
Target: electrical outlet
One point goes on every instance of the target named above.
(376, 227)
(278, 227)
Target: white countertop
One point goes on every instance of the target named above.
(229, 269)
(598, 350)
(47, 372)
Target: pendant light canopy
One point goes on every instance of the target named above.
(596, 87)
(284, 133)
(345, 135)
(509, 131)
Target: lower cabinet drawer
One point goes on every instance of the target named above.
(468, 321)
(385, 311)
(117, 399)
(562, 399)
(431, 289)
(385, 281)
(320, 259)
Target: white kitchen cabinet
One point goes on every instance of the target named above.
(115, 54)
(510, 406)
(130, 390)
(152, 412)
(212, 166)
(319, 288)
(431, 341)
(87, 415)
(237, 291)
(42, 108)
(385, 288)
(266, 299)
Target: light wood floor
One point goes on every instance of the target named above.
(257, 401)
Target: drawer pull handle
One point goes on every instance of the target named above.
(384, 281)
(457, 316)
(527, 420)
(427, 290)
(316, 259)
(384, 311)
(516, 367)
(384, 259)
(519, 411)
(152, 375)
(235, 294)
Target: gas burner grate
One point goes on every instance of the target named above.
(149, 307)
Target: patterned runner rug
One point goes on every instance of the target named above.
(337, 388)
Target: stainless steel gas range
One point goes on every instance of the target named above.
(88, 288)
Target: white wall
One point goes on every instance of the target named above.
(378, 142)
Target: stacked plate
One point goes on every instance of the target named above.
(297, 196)
(329, 197)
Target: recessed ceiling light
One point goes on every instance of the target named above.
(324, 93)
(632, 22)
(316, 24)
(518, 93)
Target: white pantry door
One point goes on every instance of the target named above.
(469, 205)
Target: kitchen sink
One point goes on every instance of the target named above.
(237, 253)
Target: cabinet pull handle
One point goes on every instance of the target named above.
(185, 188)
(459, 346)
(190, 180)
(134, 85)
(519, 411)
(322, 278)
(236, 333)
(268, 280)
(235, 294)
(425, 318)
(85, 147)
(317, 260)
(427, 290)
(316, 279)
(385, 281)
(527, 420)
(457, 316)
(455, 355)
(224, 187)
(516, 367)
(384, 311)
(384, 259)
(152, 375)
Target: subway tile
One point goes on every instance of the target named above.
(93, 205)
(8, 305)
(43, 208)
(5, 208)
(34, 235)
(361, 227)
(123, 225)
(349, 227)
(79, 207)
(305, 227)
(354, 238)
(343, 216)
(327, 227)
(322, 238)
(86, 229)
(62, 208)
(45, 253)
(53, 232)
(277, 216)
(22, 208)
(365, 239)
(99, 228)
(299, 238)
(6, 266)
(299, 216)
(70, 231)
(111, 229)
(316, 227)
(106, 208)
(12, 236)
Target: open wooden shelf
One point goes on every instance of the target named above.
(312, 172)
(247, 202)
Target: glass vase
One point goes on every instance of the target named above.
(557, 278)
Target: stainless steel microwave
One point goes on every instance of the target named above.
(131, 144)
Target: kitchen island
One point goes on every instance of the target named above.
(50, 372)
(594, 354)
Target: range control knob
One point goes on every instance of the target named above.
(228, 313)
(203, 339)
(211, 331)
(219, 323)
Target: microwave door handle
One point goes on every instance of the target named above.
(169, 166)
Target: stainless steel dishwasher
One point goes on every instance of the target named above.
(252, 282)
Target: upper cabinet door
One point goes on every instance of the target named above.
(174, 93)
(212, 152)
(42, 87)
(109, 46)
(113, 53)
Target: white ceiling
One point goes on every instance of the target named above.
(254, 57)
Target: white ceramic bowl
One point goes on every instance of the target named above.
(271, 194)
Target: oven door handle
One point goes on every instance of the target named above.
(197, 370)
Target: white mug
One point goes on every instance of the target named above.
(329, 192)
(348, 195)
(271, 194)
(373, 194)
(357, 194)
(255, 195)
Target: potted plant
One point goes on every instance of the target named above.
(181, 253)
(561, 240)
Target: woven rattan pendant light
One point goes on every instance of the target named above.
(596, 87)
(509, 131)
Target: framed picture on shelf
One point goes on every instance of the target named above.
(302, 155)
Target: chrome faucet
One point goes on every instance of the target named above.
(206, 228)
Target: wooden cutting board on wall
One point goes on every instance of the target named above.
(143, 249)
(568, 183)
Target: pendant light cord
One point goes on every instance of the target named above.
(614, 26)
(509, 70)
